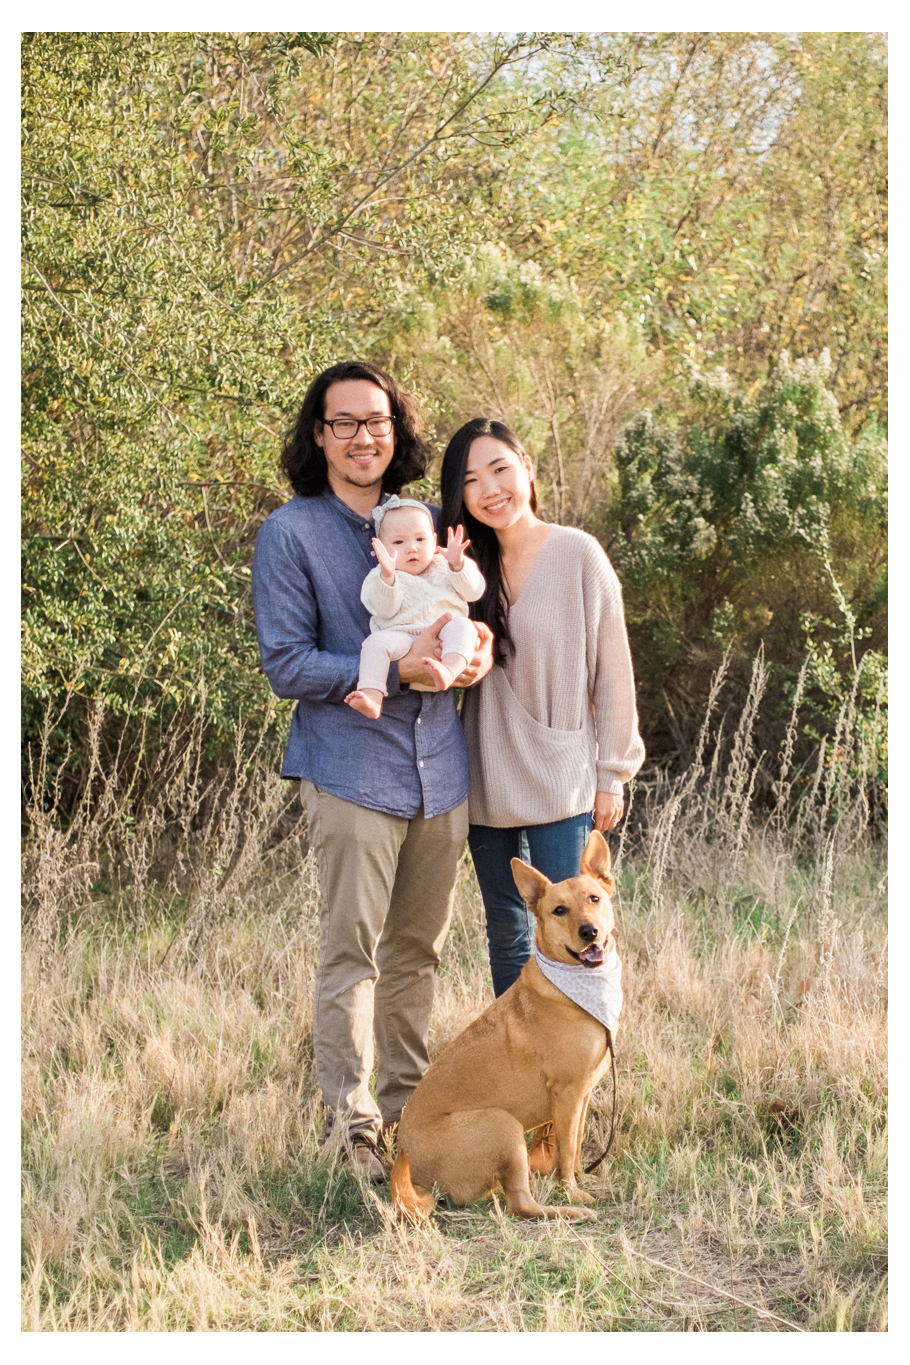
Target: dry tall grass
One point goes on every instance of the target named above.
(171, 1121)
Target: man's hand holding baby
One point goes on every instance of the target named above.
(412, 668)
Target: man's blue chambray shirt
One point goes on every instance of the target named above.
(312, 556)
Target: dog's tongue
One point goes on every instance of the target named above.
(593, 956)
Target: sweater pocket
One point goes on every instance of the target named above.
(529, 773)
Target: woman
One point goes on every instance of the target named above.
(552, 731)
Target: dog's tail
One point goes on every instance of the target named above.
(415, 1204)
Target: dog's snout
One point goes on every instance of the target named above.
(588, 932)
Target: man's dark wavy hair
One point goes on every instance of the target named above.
(493, 607)
(304, 463)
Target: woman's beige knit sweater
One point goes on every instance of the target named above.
(558, 721)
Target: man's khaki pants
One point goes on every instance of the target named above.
(387, 890)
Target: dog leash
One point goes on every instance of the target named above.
(594, 1164)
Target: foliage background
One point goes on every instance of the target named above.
(661, 257)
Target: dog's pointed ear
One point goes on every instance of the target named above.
(531, 883)
(596, 860)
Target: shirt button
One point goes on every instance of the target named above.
(366, 525)
(418, 720)
(372, 554)
(420, 764)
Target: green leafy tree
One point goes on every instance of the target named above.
(559, 229)
(741, 529)
(728, 193)
(207, 220)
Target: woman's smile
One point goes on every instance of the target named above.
(497, 482)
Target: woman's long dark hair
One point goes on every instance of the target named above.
(303, 461)
(493, 607)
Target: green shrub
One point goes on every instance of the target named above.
(739, 530)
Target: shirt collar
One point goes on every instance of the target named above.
(335, 502)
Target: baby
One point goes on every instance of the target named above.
(412, 585)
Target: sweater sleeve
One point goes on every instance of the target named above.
(611, 685)
(381, 599)
(468, 582)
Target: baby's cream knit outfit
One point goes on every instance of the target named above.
(415, 600)
(404, 608)
(557, 722)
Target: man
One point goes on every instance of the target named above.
(386, 799)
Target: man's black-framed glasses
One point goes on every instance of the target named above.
(343, 428)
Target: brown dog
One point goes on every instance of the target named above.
(532, 1058)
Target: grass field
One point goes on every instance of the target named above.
(171, 1125)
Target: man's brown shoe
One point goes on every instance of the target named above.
(365, 1159)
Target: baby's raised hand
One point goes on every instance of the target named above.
(455, 548)
(386, 561)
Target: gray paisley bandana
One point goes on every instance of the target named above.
(596, 989)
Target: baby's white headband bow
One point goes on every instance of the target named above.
(395, 502)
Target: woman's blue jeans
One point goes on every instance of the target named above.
(555, 850)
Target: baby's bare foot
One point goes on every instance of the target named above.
(367, 701)
(443, 676)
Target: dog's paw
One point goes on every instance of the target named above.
(575, 1193)
(577, 1215)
